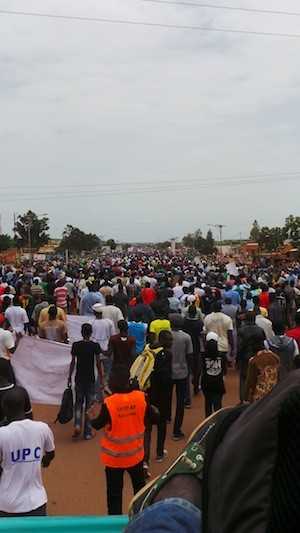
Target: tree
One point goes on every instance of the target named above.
(76, 240)
(271, 238)
(6, 242)
(188, 240)
(255, 232)
(163, 245)
(210, 243)
(291, 229)
(111, 243)
(31, 231)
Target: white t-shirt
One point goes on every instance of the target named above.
(103, 329)
(22, 446)
(6, 343)
(220, 324)
(17, 317)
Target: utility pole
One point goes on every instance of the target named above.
(220, 228)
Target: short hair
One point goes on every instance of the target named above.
(217, 306)
(122, 325)
(86, 330)
(13, 401)
(279, 328)
(228, 300)
(297, 318)
(119, 378)
(52, 312)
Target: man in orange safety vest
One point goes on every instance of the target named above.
(122, 446)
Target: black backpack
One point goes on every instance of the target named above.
(66, 411)
(251, 477)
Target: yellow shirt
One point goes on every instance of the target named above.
(159, 325)
(44, 315)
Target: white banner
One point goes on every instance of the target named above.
(41, 367)
(74, 323)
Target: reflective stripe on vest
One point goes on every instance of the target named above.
(130, 453)
(126, 440)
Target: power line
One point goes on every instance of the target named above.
(66, 195)
(148, 24)
(218, 180)
(227, 8)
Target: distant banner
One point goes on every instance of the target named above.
(42, 367)
(74, 323)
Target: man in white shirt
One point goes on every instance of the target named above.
(222, 325)
(25, 446)
(110, 311)
(17, 317)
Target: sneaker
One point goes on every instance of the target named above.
(90, 436)
(77, 433)
(146, 470)
(178, 436)
(160, 458)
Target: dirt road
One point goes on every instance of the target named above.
(75, 481)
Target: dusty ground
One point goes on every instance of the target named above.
(75, 481)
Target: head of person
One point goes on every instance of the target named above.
(97, 308)
(86, 331)
(119, 379)
(250, 318)
(228, 301)
(147, 285)
(35, 281)
(165, 339)
(16, 301)
(5, 373)
(279, 328)
(297, 318)
(52, 312)
(217, 307)
(109, 299)
(176, 322)
(212, 344)
(272, 297)
(192, 310)
(13, 404)
(123, 327)
(138, 317)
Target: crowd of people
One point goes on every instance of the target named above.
(195, 320)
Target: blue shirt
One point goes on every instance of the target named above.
(90, 299)
(235, 297)
(138, 330)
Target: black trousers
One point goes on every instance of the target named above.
(213, 402)
(114, 485)
(180, 388)
(160, 398)
(40, 511)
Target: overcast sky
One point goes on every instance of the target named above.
(92, 114)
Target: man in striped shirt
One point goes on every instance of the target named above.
(61, 295)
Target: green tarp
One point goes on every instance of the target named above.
(85, 524)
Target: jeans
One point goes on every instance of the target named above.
(168, 516)
(180, 387)
(85, 394)
(40, 511)
(160, 398)
(213, 402)
(114, 485)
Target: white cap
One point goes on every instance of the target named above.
(211, 336)
(97, 308)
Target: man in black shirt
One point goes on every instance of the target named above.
(250, 340)
(159, 396)
(84, 355)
